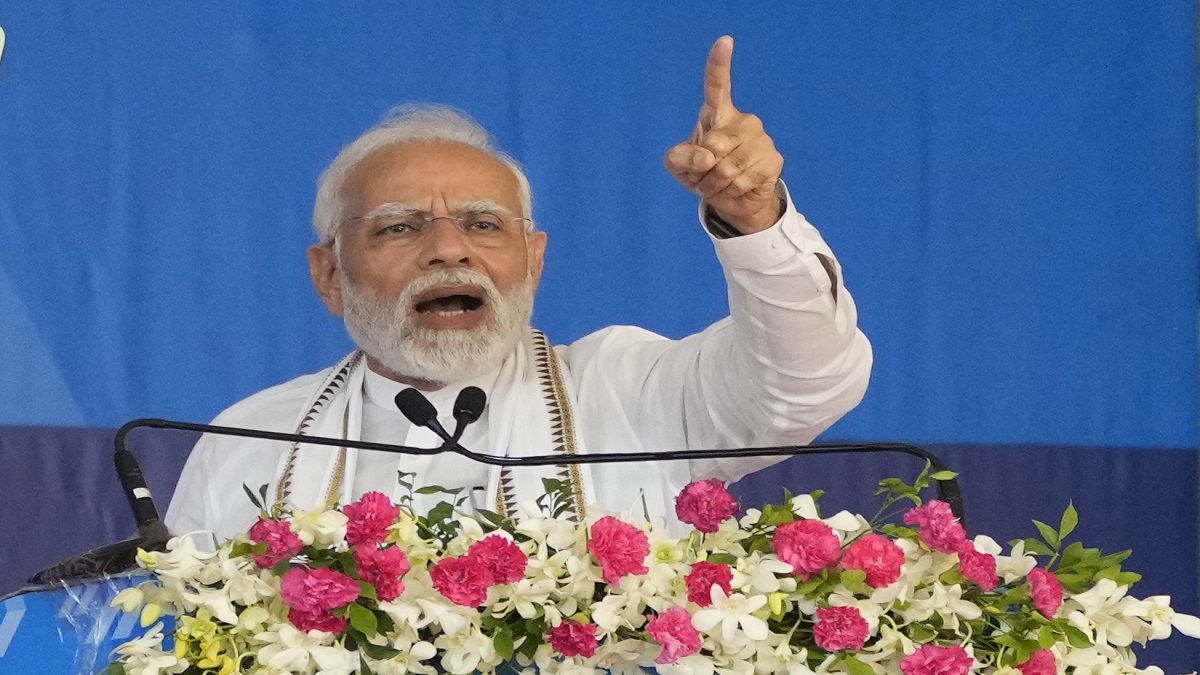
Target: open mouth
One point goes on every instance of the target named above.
(450, 301)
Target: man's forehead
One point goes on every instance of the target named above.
(429, 176)
(461, 205)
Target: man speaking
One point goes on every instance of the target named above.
(428, 250)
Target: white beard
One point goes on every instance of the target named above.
(385, 329)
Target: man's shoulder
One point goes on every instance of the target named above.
(619, 341)
(275, 406)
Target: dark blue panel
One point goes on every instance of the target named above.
(62, 484)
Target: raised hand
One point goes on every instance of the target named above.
(729, 160)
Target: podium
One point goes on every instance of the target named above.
(65, 629)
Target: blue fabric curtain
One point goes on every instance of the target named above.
(1010, 187)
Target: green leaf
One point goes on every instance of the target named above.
(242, 549)
(774, 514)
(1072, 555)
(1046, 637)
(920, 633)
(386, 625)
(1037, 547)
(806, 588)
(854, 666)
(377, 652)
(367, 591)
(854, 580)
(1121, 578)
(1049, 534)
(503, 642)
(363, 619)
(760, 545)
(1070, 518)
(431, 490)
(944, 475)
(1008, 640)
(1113, 559)
(253, 499)
(727, 558)
(1073, 582)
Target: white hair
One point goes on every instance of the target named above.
(419, 123)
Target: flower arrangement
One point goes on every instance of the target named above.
(375, 588)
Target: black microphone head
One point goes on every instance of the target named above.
(469, 404)
(416, 407)
(128, 468)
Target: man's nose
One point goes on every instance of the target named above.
(445, 244)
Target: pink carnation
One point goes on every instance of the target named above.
(839, 628)
(369, 518)
(319, 620)
(705, 504)
(934, 660)
(978, 568)
(281, 542)
(314, 590)
(464, 580)
(573, 639)
(1046, 591)
(674, 631)
(876, 555)
(619, 547)
(939, 529)
(1040, 662)
(703, 576)
(504, 560)
(809, 546)
(382, 568)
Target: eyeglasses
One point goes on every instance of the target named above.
(406, 223)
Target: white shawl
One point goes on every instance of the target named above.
(530, 412)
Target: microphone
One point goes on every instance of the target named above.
(947, 489)
(97, 563)
(467, 409)
(150, 525)
(421, 412)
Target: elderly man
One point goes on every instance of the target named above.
(429, 252)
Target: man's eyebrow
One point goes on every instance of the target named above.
(483, 206)
(393, 209)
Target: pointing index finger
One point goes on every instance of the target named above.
(717, 80)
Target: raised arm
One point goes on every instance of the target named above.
(789, 361)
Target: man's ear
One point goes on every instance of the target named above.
(323, 266)
(536, 244)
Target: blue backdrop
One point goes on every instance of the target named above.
(1010, 187)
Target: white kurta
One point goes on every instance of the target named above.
(786, 364)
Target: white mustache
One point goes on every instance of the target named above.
(450, 277)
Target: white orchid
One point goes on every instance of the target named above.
(763, 574)
(145, 655)
(320, 527)
(734, 614)
(466, 652)
(1098, 612)
(290, 649)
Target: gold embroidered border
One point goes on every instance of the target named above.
(336, 383)
(562, 430)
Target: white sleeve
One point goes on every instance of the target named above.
(190, 510)
(786, 364)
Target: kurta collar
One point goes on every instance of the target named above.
(381, 391)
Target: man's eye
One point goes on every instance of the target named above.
(398, 227)
(484, 224)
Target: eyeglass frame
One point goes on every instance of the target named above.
(460, 217)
